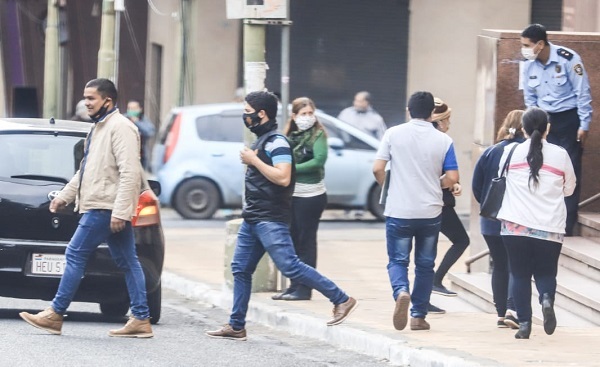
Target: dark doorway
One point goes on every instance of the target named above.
(340, 47)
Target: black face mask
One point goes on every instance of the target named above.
(252, 122)
(98, 115)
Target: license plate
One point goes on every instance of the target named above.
(48, 264)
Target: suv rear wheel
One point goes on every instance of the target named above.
(373, 203)
(196, 199)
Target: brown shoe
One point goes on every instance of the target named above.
(417, 323)
(400, 317)
(134, 328)
(46, 320)
(342, 311)
(227, 332)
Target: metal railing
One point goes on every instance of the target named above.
(474, 258)
(484, 253)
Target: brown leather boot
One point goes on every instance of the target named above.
(400, 318)
(134, 328)
(46, 320)
(417, 323)
(342, 311)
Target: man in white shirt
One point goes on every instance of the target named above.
(422, 162)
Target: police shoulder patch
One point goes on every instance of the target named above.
(578, 69)
(564, 53)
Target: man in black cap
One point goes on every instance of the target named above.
(270, 179)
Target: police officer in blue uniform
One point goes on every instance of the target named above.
(554, 79)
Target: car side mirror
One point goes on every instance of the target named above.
(155, 186)
(335, 143)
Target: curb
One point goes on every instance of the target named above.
(375, 345)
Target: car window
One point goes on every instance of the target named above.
(36, 154)
(225, 127)
(350, 141)
(165, 132)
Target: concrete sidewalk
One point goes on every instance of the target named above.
(356, 260)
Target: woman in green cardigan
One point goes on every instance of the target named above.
(309, 145)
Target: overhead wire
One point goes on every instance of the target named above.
(155, 9)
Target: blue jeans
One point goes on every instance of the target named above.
(94, 229)
(274, 238)
(399, 235)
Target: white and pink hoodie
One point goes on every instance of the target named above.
(542, 207)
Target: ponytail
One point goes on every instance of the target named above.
(535, 124)
(535, 158)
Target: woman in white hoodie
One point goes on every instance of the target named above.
(533, 216)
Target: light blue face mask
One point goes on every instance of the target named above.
(131, 113)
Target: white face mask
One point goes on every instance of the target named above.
(529, 53)
(305, 122)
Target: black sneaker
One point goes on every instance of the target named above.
(511, 321)
(227, 332)
(442, 291)
(500, 323)
(432, 309)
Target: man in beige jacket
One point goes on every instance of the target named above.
(106, 190)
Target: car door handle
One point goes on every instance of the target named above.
(218, 154)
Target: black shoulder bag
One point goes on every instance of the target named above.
(493, 200)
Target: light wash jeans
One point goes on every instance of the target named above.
(94, 229)
(274, 238)
(399, 235)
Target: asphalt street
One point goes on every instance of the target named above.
(179, 341)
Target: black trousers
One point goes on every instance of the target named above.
(452, 228)
(306, 215)
(563, 132)
(531, 257)
(502, 282)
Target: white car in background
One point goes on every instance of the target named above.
(196, 160)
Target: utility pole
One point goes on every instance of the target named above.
(51, 69)
(255, 66)
(182, 49)
(106, 54)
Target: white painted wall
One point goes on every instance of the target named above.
(443, 58)
(213, 54)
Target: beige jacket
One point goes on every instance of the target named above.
(113, 175)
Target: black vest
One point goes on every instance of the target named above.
(266, 201)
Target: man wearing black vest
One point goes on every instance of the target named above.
(269, 183)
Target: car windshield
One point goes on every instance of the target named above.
(40, 155)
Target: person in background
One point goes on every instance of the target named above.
(418, 155)
(309, 146)
(452, 227)
(269, 186)
(486, 169)
(135, 112)
(362, 116)
(533, 214)
(81, 112)
(106, 190)
(554, 79)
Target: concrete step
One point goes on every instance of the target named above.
(581, 255)
(476, 288)
(578, 294)
(589, 225)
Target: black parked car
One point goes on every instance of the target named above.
(37, 159)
